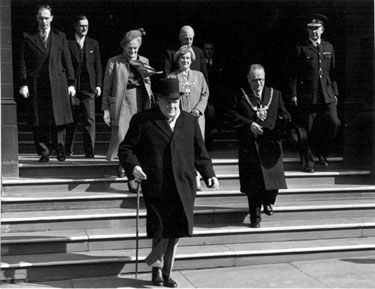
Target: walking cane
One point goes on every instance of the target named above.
(137, 229)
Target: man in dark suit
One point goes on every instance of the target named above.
(163, 147)
(186, 38)
(46, 70)
(258, 117)
(313, 91)
(88, 72)
(217, 103)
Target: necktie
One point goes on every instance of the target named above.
(44, 38)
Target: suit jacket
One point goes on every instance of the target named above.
(169, 160)
(310, 68)
(264, 152)
(198, 64)
(93, 61)
(47, 73)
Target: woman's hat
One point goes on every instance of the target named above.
(133, 34)
(169, 89)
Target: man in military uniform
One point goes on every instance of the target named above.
(313, 91)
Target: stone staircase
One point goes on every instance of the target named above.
(76, 219)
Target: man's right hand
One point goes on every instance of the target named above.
(24, 91)
(107, 118)
(293, 101)
(256, 129)
(139, 174)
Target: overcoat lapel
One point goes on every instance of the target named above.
(36, 40)
(162, 124)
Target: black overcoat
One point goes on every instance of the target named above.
(47, 73)
(169, 160)
(261, 156)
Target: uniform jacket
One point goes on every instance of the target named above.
(169, 160)
(114, 89)
(198, 96)
(93, 60)
(307, 73)
(198, 64)
(50, 68)
(262, 153)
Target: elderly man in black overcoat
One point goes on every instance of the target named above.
(163, 147)
(46, 77)
(258, 116)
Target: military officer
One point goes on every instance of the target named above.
(313, 91)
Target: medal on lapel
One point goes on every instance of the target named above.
(260, 110)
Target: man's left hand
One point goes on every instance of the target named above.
(98, 91)
(71, 90)
(213, 183)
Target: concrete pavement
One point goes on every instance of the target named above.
(335, 273)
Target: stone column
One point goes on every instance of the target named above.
(9, 132)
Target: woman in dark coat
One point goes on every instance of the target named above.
(163, 147)
(256, 117)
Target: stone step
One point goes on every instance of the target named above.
(110, 183)
(101, 135)
(83, 264)
(236, 212)
(72, 200)
(43, 242)
(80, 166)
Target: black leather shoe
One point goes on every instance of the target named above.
(308, 169)
(323, 161)
(169, 282)
(157, 279)
(267, 209)
(44, 159)
(60, 156)
(89, 155)
(255, 225)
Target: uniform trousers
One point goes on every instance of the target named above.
(322, 124)
(162, 254)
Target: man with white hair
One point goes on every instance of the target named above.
(186, 38)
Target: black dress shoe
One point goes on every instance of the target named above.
(157, 279)
(323, 161)
(255, 225)
(60, 157)
(308, 169)
(169, 282)
(44, 159)
(267, 209)
(89, 155)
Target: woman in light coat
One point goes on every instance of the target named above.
(126, 91)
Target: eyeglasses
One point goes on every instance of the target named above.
(256, 80)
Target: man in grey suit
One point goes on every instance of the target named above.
(88, 72)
